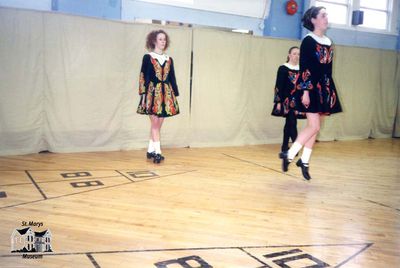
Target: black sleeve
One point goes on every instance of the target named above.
(144, 78)
(280, 84)
(173, 79)
(307, 61)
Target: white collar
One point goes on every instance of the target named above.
(322, 40)
(292, 67)
(160, 57)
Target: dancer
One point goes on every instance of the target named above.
(285, 86)
(157, 89)
(315, 91)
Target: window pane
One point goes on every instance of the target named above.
(336, 13)
(380, 4)
(334, 1)
(374, 19)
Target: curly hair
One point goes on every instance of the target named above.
(151, 39)
(311, 13)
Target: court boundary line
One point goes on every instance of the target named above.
(90, 254)
(91, 190)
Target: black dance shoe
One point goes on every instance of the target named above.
(285, 161)
(304, 169)
(158, 158)
(150, 155)
(153, 155)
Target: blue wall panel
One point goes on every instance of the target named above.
(108, 9)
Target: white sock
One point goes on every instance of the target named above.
(305, 157)
(294, 149)
(151, 149)
(157, 147)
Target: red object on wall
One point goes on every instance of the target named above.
(291, 7)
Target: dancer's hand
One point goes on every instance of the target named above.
(305, 99)
(278, 106)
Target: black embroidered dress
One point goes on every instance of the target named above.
(157, 87)
(316, 56)
(285, 86)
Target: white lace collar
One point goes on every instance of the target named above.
(322, 40)
(160, 57)
(292, 67)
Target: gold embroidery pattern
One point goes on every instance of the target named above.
(146, 100)
(158, 99)
(157, 69)
(171, 104)
(149, 97)
(142, 88)
(166, 69)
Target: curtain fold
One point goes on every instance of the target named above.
(84, 83)
(21, 82)
(396, 130)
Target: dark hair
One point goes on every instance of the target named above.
(290, 51)
(152, 38)
(311, 13)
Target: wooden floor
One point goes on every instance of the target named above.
(209, 207)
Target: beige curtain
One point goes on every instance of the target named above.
(21, 82)
(233, 82)
(385, 96)
(69, 84)
(234, 77)
(396, 131)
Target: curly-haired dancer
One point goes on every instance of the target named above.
(157, 89)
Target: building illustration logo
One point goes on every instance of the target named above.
(27, 240)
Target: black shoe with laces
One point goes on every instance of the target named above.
(304, 169)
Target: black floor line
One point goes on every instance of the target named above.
(124, 175)
(93, 261)
(254, 257)
(366, 246)
(250, 162)
(91, 190)
(60, 180)
(36, 185)
(352, 256)
(380, 204)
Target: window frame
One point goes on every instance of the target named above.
(392, 13)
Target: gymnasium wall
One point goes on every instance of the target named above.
(69, 84)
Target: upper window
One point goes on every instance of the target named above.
(338, 10)
(378, 15)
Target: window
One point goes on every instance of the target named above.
(338, 11)
(249, 8)
(378, 15)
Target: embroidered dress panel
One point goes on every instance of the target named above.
(316, 59)
(285, 85)
(157, 86)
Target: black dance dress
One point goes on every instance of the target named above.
(157, 86)
(316, 54)
(285, 86)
